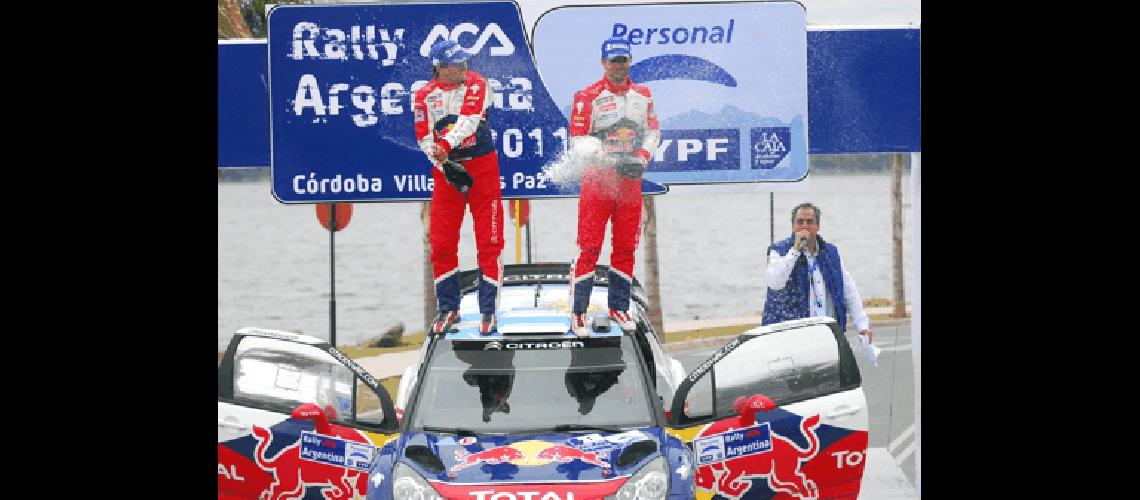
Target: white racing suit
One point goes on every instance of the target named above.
(454, 116)
(624, 120)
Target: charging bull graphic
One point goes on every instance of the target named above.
(337, 482)
(496, 455)
(781, 464)
(566, 454)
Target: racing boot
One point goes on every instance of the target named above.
(487, 325)
(578, 324)
(443, 322)
(623, 320)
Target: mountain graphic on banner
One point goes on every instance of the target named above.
(729, 116)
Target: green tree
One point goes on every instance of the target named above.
(254, 13)
(230, 21)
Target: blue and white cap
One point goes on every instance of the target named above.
(615, 46)
(447, 52)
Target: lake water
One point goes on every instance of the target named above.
(273, 259)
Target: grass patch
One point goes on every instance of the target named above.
(391, 384)
(407, 343)
(366, 400)
(720, 331)
(876, 302)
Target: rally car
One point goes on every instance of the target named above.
(533, 412)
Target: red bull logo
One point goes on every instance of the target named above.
(527, 453)
(621, 140)
(496, 455)
(781, 465)
(566, 454)
(292, 474)
(624, 134)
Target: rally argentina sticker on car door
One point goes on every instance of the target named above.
(734, 444)
(336, 451)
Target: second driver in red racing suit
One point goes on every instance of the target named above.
(619, 114)
(451, 124)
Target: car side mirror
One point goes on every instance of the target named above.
(310, 411)
(748, 407)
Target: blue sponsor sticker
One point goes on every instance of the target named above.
(709, 450)
(359, 455)
(697, 149)
(335, 451)
(592, 443)
(598, 442)
(733, 444)
(770, 146)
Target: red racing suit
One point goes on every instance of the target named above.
(454, 116)
(624, 120)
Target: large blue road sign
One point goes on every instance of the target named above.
(243, 117)
(729, 81)
(864, 90)
(341, 83)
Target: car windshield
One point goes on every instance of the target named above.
(521, 385)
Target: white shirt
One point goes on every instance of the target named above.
(780, 269)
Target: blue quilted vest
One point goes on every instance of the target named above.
(791, 302)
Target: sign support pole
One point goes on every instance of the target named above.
(332, 274)
(517, 207)
(771, 218)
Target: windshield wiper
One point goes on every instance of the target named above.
(449, 430)
(588, 427)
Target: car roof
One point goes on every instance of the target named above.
(548, 273)
(534, 302)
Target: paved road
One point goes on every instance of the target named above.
(889, 388)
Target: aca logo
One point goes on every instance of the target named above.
(504, 45)
(770, 146)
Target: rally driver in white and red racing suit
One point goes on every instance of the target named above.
(451, 125)
(620, 114)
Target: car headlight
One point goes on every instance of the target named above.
(408, 485)
(649, 483)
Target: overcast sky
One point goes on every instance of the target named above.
(819, 12)
(863, 12)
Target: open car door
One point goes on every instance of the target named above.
(296, 417)
(778, 412)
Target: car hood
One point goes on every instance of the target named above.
(531, 458)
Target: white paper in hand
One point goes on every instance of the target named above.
(872, 351)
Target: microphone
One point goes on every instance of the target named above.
(803, 243)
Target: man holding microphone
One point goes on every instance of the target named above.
(806, 277)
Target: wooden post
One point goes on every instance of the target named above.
(652, 281)
(897, 236)
(429, 276)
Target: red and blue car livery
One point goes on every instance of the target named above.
(534, 412)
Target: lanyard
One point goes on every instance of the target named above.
(811, 281)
